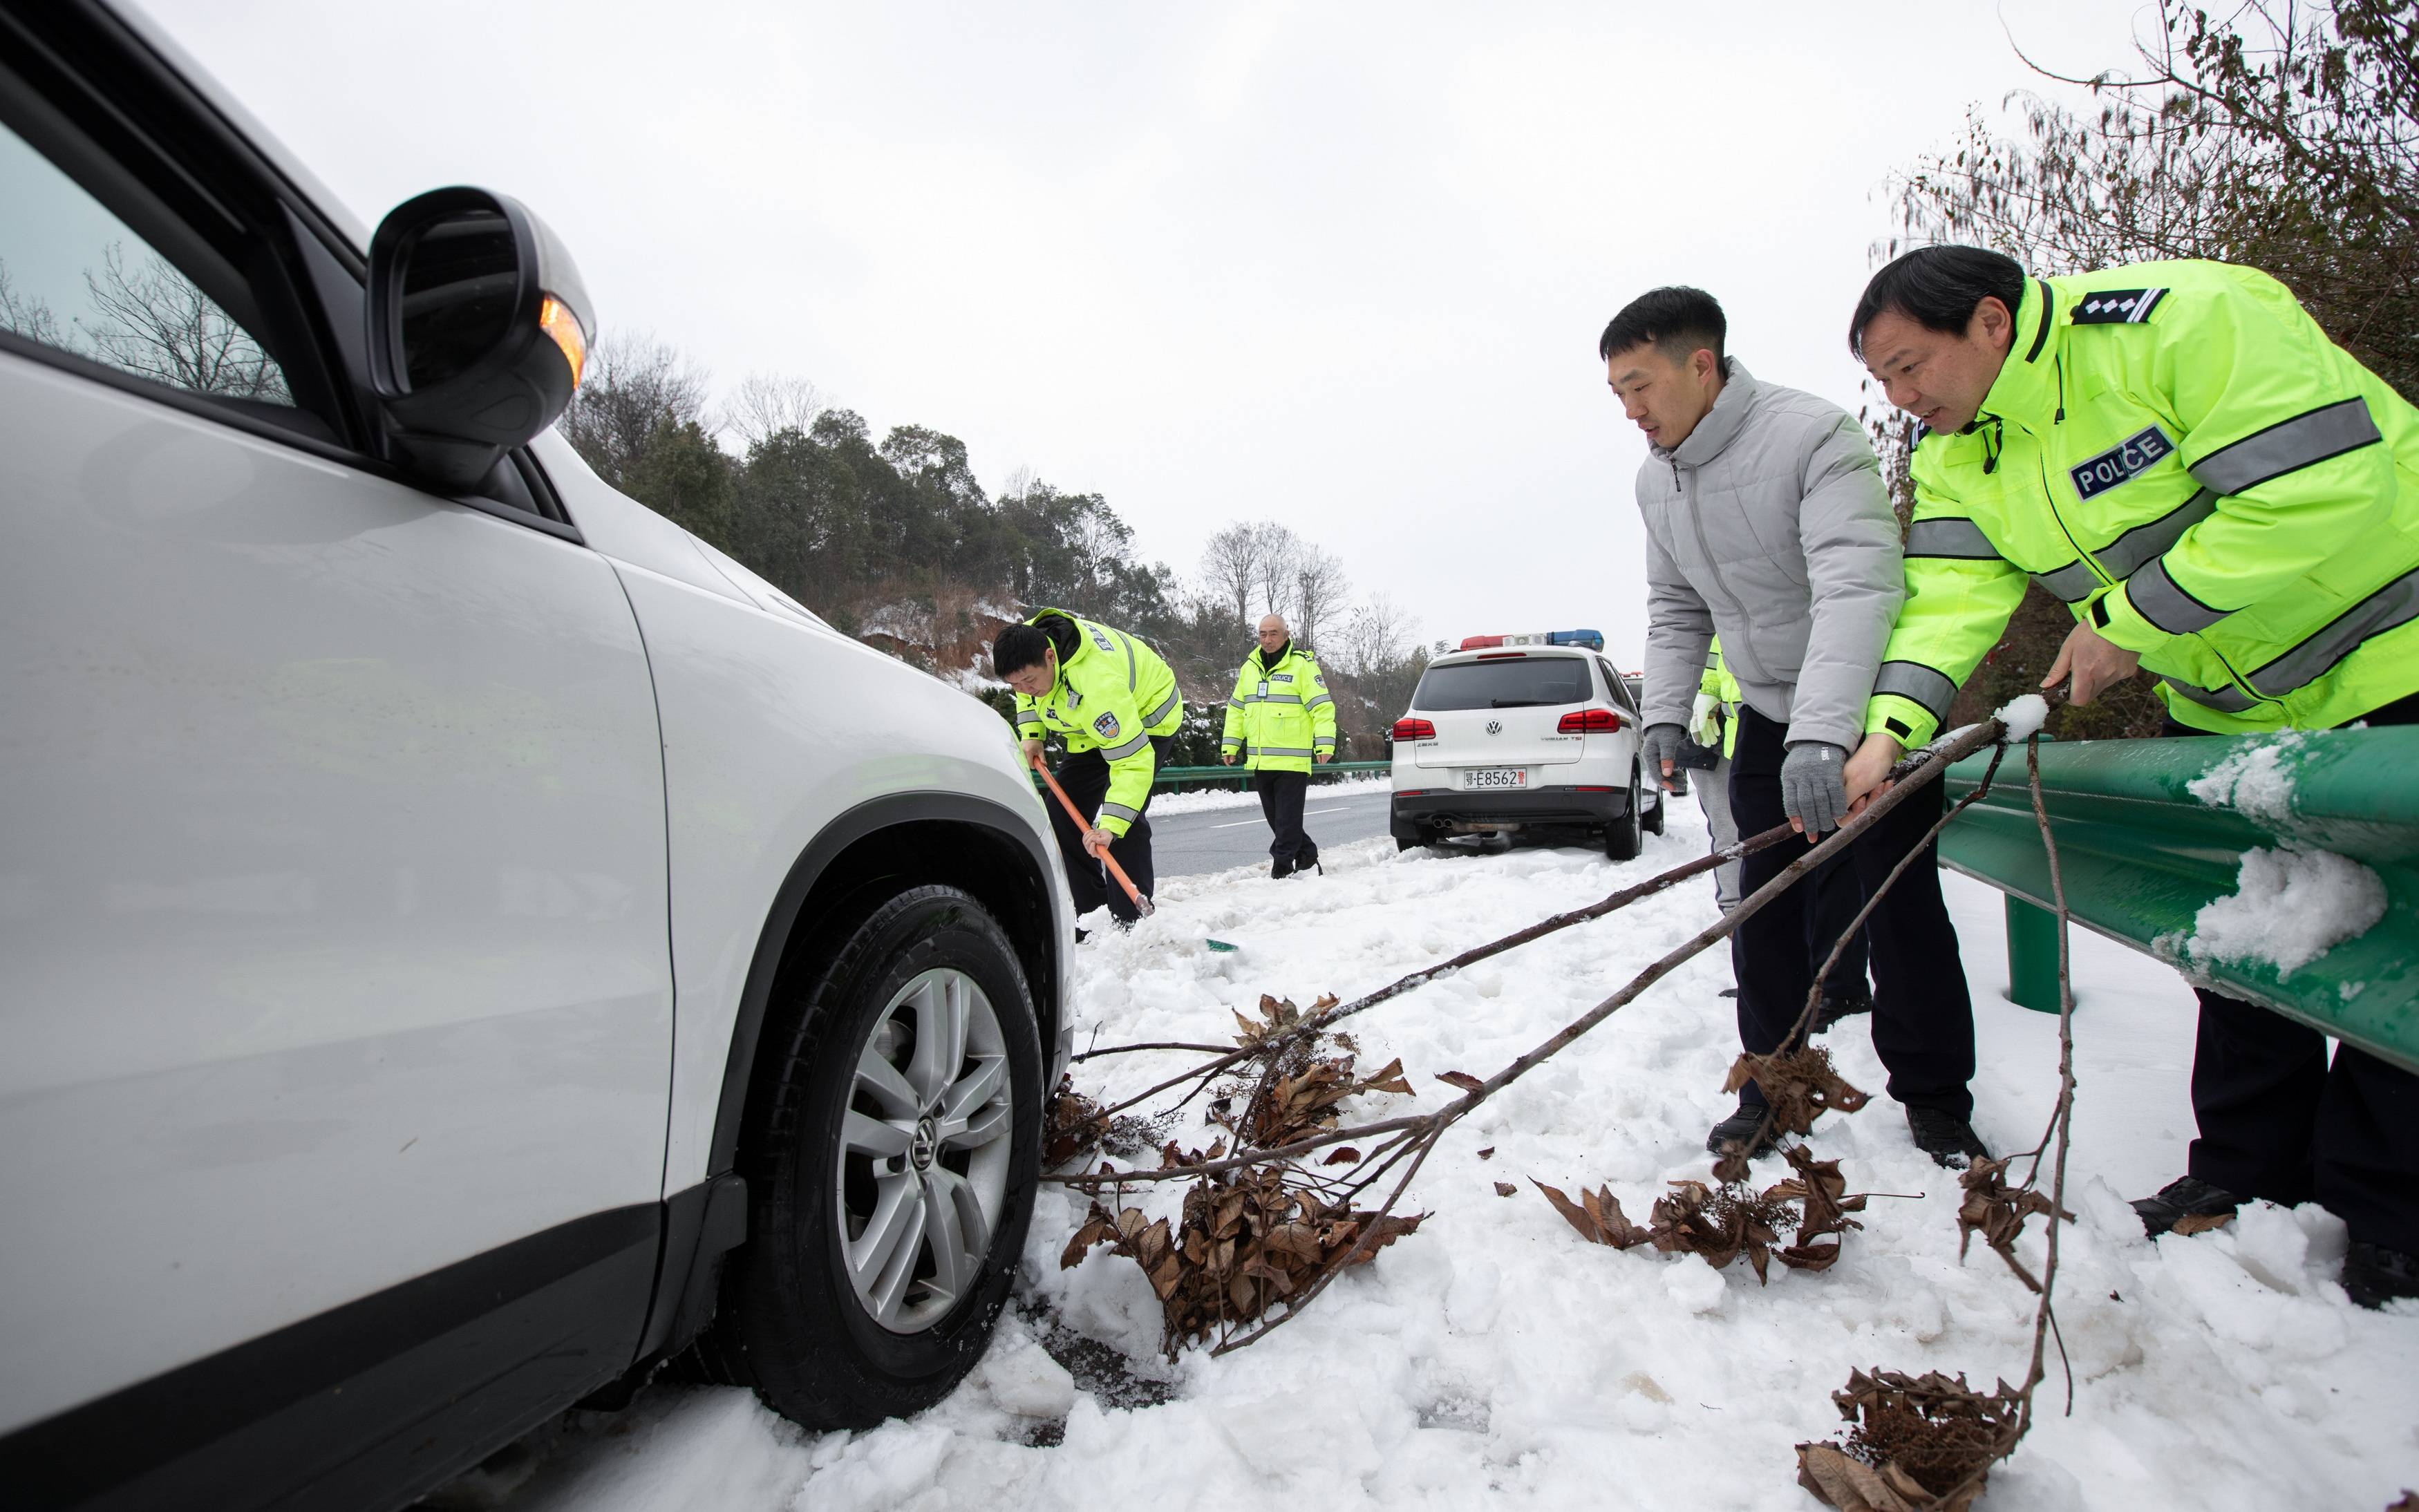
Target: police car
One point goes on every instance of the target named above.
(1521, 733)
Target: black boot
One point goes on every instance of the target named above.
(1837, 1006)
(2374, 1276)
(1279, 871)
(1736, 1130)
(1950, 1140)
(2186, 1197)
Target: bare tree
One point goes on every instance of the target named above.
(1272, 584)
(1373, 639)
(767, 404)
(22, 314)
(1319, 587)
(634, 385)
(155, 323)
(1231, 563)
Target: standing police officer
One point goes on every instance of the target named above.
(1114, 702)
(2228, 501)
(1280, 709)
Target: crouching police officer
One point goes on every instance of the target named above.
(1281, 711)
(1114, 702)
(2227, 501)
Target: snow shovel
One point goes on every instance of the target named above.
(1140, 902)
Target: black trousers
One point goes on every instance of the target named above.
(2278, 1121)
(1923, 1021)
(1086, 778)
(1837, 898)
(1281, 799)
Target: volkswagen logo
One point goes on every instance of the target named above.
(925, 1145)
(1494, 726)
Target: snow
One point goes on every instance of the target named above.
(2289, 907)
(2256, 780)
(1175, 803)
(2022, 714)
(1494, 1358)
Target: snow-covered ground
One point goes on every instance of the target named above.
(1495, 1357)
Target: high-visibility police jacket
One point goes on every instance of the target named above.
(1283, 711)
(2179, 452)
(1113, 694)
(1723, 689)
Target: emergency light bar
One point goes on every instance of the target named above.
(1593, 639)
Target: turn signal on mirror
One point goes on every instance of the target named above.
(555, 319)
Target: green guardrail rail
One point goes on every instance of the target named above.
(1176, 776)
(2142, 856)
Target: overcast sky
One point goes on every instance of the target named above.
(1338, 265)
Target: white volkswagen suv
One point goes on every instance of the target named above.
(1515, 733)
(452, 956)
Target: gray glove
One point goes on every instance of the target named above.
(1658, 743)
(1813, 791)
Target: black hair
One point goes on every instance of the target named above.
(1019, 646)
(1677, 320)
(1938, 288)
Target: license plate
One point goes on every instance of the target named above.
(1494, 776)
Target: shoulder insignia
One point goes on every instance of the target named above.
(1106, 727)
(2116, 306)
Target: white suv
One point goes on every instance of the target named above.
(462, 939)
(1522, 733)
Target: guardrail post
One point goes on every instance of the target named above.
(2032, 955)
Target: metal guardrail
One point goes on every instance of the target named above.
(1174, 777)
(2141, 857)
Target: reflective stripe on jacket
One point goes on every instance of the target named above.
(2179, 452)
(1112, 696)
(1282, 712)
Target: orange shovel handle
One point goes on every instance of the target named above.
(1141, 904)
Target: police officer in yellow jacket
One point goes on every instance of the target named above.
(1281, 719)
(2227, 501)
(1113, 703)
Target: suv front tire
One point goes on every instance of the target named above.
(891, 1148)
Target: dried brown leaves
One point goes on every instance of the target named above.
(1800, 1086)
(1255, 1238)
(1720, 1224)
(1073, 1126)
(1918, 1443)
(1245, 1243)
(1998, 1212)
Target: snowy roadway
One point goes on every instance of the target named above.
(1494, 1357)
(1213, 840)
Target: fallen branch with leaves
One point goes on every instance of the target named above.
(1272, 1152)
(1927, 1444)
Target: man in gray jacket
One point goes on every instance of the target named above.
(1767, 523)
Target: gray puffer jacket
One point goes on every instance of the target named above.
(1770, 526)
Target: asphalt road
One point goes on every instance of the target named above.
(1213, 840)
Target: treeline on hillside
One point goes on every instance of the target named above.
(2285, 137)
(895, 542)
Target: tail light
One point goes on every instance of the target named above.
(1589, 722)
(1415, 730)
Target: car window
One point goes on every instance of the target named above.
(1617, 686)
(76, 278)
(1510, 683)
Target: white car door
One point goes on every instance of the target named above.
(332, 882)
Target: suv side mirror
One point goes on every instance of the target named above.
(479, 328)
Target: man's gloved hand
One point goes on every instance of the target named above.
(1705, 720)
(1658, 752)
(1812, 791)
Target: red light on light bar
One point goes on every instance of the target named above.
(1589, 722)
(1415, 730)
(1476, 642)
